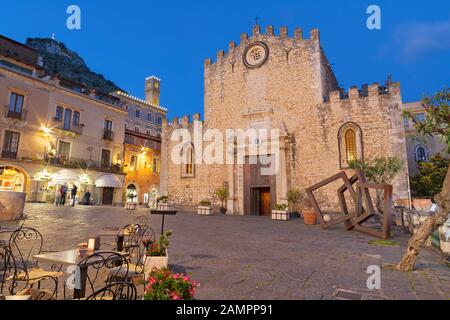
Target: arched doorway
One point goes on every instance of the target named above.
(12, 179)
(132, 194)
(153, 197)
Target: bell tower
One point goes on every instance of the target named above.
(152, 90)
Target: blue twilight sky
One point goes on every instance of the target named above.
(130, 40)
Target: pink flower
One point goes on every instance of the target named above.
(175, 296)
(186, 278)
(176, 276)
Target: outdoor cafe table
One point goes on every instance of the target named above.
(72, 258)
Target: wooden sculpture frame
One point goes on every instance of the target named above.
(347, 216)
(363, 191)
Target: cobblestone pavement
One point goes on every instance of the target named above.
(236, 257)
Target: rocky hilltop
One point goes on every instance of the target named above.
(61, 60)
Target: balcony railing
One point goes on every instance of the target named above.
(21, 116)
(72, 129)
(108, 135)
(9, 155)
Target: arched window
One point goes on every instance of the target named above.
(422, 154)
(188, 167)
(350, 144)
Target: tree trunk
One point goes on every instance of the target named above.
(424, 232)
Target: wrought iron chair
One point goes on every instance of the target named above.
(25, 243)
(130, 240)
(102, 268)
(14, 283)
(116, 291)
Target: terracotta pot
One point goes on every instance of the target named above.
(310, 217)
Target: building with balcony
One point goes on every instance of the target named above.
(54, 132)
(420, 148)
(142, 148)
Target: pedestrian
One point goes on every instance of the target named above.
(63, 195)
(58, 197)
(87, 198)
(74, 194)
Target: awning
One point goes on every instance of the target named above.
(108, 181)
(65, 176)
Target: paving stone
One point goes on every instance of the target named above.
(236, 257)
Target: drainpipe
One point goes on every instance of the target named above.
(409, 191)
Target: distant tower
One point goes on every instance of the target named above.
(152, 90)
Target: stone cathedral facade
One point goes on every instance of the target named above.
(277, 81)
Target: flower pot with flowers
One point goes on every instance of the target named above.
(164, 285)
(156, 254)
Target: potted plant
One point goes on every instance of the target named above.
(163, 204)
(295, 197)
(309, 215)
(223, 194)
(156, 253)
(281, 213)
(165, 285)
(204, 208)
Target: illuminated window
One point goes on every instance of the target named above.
(350, 145)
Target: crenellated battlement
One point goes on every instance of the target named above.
(183, 122)
(283, 33)
(373, 90)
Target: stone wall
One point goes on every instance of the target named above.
(295, 91)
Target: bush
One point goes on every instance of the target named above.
(281, 207)
(163, 199)
(430, 179)
(205, 203)
(164, 285)
(159, 247)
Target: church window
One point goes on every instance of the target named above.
(422, 154)
(350, 145)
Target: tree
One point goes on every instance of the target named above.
(222, 194)
(437, 123)
(430, 179)
(379, 170)
(294, 198)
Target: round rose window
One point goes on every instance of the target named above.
(256, 55)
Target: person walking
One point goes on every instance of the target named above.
(63, 195)
(74, 195)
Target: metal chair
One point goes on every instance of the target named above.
(14, 281)
(25, 243)
(116, 291)
(102, 268)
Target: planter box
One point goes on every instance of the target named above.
(164, 207)
(131, 206)
(155, 263)
(278, 215)
(12, 205)
(205, 211)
